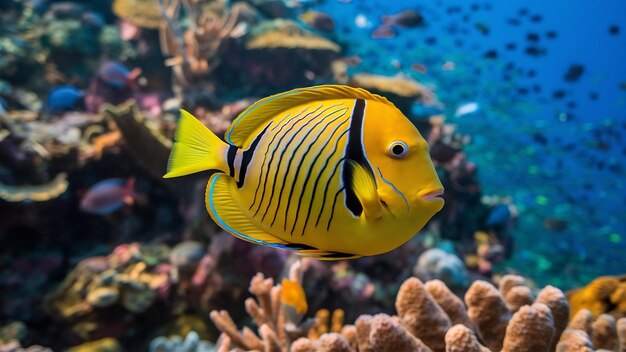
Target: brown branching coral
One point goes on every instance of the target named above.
(556, 301)
(421, 315)
(461, 339)
(451, 304)
(604, 333)
(488, 312)
(194, 53)
(515, 293)
(275, 332)
(531, 329)
(573, 340)
(423, 323)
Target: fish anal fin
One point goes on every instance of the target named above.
(222, 207)
(364, 186)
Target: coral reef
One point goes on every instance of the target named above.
(432, 322)
(437, 264)
(143, 13)
(195, 53)
(91, 91)
(130, 278)
(191, 343)
(401, 90)
(145, 142)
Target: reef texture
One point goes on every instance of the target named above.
(431, 318)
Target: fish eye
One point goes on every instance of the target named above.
(398, 149)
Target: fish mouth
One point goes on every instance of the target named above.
(431, 195)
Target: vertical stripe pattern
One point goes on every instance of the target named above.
(297, 160)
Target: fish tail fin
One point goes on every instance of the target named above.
(130, 183)
(129, 190)
(195, 149)
(387, 20)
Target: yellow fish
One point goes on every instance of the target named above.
(293, 301)
(331, 171)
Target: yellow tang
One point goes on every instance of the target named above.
(331, 171)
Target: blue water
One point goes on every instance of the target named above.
(558, 158)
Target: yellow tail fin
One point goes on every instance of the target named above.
(195, 149)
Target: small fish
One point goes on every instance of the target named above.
(108, 196)
(499, 216)
(532, 37)
(383, 32)
(421, 68)
(555, 224)
(319, 20)
(315, 170)
(406, 19)
(482, 28)
(117, 75)
(466, 109)
(293, 301)
(574, 72)
(551, 34)
(614, 30)
(64, 98)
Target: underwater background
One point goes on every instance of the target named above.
(523, 104)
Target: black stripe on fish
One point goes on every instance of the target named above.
(302, 160)
(267, 149)
(298, 246)
(355, 152)
(338, 255)
(278, 143)
(247, 156)
(343, 159)
(309, 174)
(232, 152)
(282, 155)
(332, 209)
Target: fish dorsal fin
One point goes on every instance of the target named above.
(364, 187)
(267, 108)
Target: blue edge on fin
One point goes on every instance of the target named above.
(228, 228)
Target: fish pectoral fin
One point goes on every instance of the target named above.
(220, 203)
(326, 255)
(364, 187)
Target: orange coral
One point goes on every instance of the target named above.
(605, 294)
